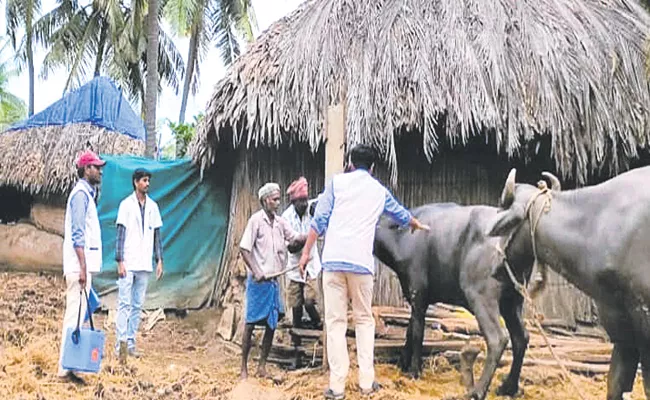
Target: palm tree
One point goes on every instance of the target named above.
(21, 15)
(151, 94)
(206, 22)
(108, 37)
(12, 108)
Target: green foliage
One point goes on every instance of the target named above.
(183, 134)
(12, 108)
(105, 37)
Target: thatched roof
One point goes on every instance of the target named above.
(571, 69)
(38, 154)
(42, 160)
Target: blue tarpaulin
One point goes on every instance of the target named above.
(99, 102)
(195, 222)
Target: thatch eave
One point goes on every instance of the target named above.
(42, 160)
(574, 71)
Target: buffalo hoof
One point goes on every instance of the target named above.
(404, 365)
(474, 395)
(509, 389)
(413, 373)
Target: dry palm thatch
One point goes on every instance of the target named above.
(571, 69)
(42, 160)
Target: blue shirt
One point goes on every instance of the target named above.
(78, 209)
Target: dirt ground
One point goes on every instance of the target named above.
(184, 359)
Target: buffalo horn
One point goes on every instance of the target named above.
(556, 186)
(508, 194)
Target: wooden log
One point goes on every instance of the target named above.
(435, 346)
(458, 325)
(306, 333)
(560, 331)
(582, 344)
(588, 358)
(570, 365)
(227, 323)
(437, 311)
(557, 323)
(573, 366)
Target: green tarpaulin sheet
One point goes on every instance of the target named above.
(195, 222)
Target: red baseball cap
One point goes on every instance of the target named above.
(89, 158)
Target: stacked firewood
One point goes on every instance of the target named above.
(582, 349)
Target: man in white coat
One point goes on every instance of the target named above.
(82, 245)
(138, 239)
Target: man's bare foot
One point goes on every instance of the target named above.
(261, 372)
(243, 375)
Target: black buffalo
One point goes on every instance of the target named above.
(598, 238)
(455, 263)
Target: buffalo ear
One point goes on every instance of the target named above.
(506, 221)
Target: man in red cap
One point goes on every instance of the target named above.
(301, 291)
(82, 244)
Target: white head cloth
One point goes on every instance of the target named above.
(267, 190)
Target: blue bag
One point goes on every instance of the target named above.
(83, 348)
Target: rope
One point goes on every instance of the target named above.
(537, 209)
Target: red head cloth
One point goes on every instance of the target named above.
(298, 189)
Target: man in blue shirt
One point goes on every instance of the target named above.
(349, 210)
(82, 245)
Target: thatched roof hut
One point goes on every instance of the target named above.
(37, 168)
(451, 93)
(572, 70)
(37, 155)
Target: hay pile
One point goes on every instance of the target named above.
(41, 160)
(185, 360)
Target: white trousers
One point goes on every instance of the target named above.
(73, 297)
(339, 288)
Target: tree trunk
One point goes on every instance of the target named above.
(100, 48)
(29, 31)
(189, 71)
(151, 94)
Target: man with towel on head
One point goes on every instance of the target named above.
(264, 250)
(302, 291)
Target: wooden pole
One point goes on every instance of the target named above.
(334, 159)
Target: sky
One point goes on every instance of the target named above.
(169, 103)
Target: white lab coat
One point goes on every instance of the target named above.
(138, 243)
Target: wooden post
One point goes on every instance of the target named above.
(334, 160)
(334, 140)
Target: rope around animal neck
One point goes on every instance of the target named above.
(537, 209)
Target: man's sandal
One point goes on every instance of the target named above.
(372, 390)
(331, 395)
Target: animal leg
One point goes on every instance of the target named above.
(486, 311)
(467, 359)
(622, 370)
(511, 310)
(418, 312)
(407, 350)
